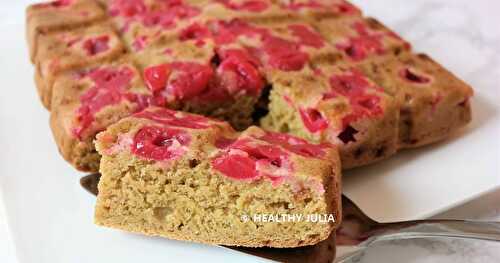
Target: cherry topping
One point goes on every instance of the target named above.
(365, 43)
(168, 16)
(347, 8)
(347, 135)
(248, 5)
(110, 87)
(156, 77)
(368, 102)
(195, 32)
(245, 161)
(313, 120)
(411, 76)
(236, 166)
(236, 73)
(127, 8)
(464, 103)
(354, 85)
(307, 36)
(94, 46)
(188, 79)
(223, 142)
(159, 143)
(284, 54)
(349, 84)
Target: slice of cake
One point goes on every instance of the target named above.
(341, 106)
(433, 101)
(44, 18)
(187, 177)
(73, 49)
(144, 23)
(86, 101)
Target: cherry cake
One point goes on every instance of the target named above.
(316, 69)
(188, 177)
(164, 98)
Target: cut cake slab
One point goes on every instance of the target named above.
(188, 177)
(315, 69)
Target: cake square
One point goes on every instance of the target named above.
(144, 23)
(66, 50)
(86, 101)
(187, 177)
(339, 105)
(58, 15)
(434, 102)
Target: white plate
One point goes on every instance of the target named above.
(50, 216)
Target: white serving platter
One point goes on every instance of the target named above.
(49, 217)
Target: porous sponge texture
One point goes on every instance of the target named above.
(197, 205)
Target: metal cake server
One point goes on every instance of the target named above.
(358, 231)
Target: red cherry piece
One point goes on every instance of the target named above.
(313, 120)
(283, 54)
(109, 89)
(411, 76)
(159, 143)
(236, 74)
(127, 8)
(188, 79)
(347, 135)
(195, 32)
(235, 166)
(350, 84)
(354, 86)
(156, 77)
(243, 160)
(307, 36)
(94, 46)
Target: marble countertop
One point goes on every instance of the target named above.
(464, 36)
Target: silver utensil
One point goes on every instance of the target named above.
(358, 231)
